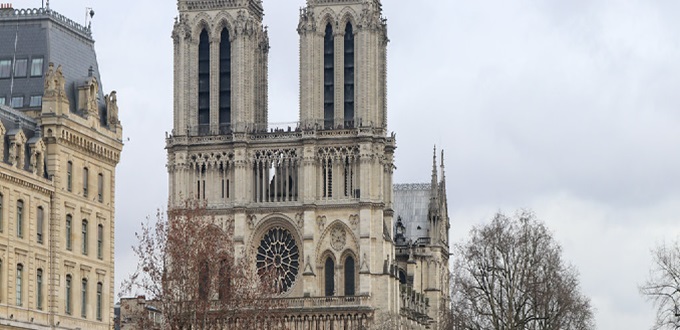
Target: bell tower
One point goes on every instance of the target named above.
(343, 49)
(221, 51)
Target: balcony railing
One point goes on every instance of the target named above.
(270, 128)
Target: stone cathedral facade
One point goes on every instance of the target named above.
(314, 200)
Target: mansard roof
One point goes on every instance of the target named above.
(44, 33)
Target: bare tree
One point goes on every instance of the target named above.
(188, 268)
(662, 287)
(510, 275)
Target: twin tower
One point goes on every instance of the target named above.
(314, 201)
(221, 59)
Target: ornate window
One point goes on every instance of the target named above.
(328, 77)
(100, 241)
(84, 238)
(86, 177)
(40, 223)
(278, 256)
(349, 276)
(19, 284)
(100, 187)
(329, 277)
(20, 218)
(225, 82)
(204, 83)
(2, 219)
(69, 176)
(349, 76)
(69, 232)
(83, 299)
(39, 289)
(99, 301)
(69, 300)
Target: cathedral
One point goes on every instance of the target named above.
(314, 200)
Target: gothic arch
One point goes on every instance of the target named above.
(223, 20)
(351, 241)
(201, 22)
(258, 244)
(348, 15)
(327, 16)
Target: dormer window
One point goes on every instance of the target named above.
(37, 67)
(17, 102)
(20, 67)
(5, 68)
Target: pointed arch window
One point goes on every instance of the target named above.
(225, 82)
(328, 77)
(204, 281)
(349, 276)
(329, 277)
(349, 76)
(204, 83)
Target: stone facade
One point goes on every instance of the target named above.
(57, 185)
(321, 188)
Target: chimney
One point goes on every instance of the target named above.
(6, 6)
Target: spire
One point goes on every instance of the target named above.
(442, 168)
(434, 168)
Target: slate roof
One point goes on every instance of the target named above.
(36, 33)
(411, 203)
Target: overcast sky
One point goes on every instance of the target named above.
(569, 108)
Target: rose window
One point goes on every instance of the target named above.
(278, 256)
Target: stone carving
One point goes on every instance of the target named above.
(354, 221)
(338, 238)
(321, 222)
(13, 154)
(112, 109)
(54, 81)
(34, 162)
(307, 21)
(300, 220)
(308, 267)
(252, 220)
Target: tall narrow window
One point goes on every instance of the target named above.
(327, 178)
(225, 82)
(2, 219)
(19, 284)
(69, 295)
(39, 289)
(20, 218)
(349, 276)
(83, 299)
(39, 225)
(204, 83)
(329, 277)
(349, 76)
(84, 238)
(69, 232)
(204, 281)
(1, 280)
(100, 242)
(99, 301)
(37, 67)
(225, 281)
(328, 77)
(86, 180)
(69, 176)
(100, 187)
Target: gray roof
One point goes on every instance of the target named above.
(15, 120)
(44, 33)
(411, 204)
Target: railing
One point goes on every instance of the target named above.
(311, 302)
(40, 12)
(276, 128)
